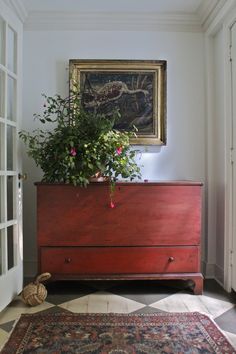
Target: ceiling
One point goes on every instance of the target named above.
(150, 15)
(162, 6)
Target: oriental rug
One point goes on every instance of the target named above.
(181, 333)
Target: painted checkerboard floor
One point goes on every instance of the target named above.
(129, 297)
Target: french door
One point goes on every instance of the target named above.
(233, 73)
(11, 252)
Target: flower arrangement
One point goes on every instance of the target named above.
(79, 144)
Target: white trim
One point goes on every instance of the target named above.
(213, 271)
(205, 9)
(19, 8)
(218, 15)
(206, 15)
(208, 270)
(228, 166)
(198, 21)
(210, 158)
(228, 239)
(13, 20)
(12, 278)
(219, 274)
(212, 25)
(15, 283)
(122, 21)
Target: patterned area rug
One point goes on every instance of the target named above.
(117, 334)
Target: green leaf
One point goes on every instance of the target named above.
(91, 133)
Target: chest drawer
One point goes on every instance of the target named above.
(119, 260)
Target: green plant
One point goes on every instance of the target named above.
(78, 144)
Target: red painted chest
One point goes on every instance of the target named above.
(153, 232)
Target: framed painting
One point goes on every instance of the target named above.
(136, 88)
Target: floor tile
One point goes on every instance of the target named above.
(227, 321)
(148, 309)
(17, 307)
(3, 337)
(7, 327)
(102, 302)
(54, 309)
(185, 302)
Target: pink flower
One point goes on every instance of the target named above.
(73, 152)
(112, 205)
(119, 150)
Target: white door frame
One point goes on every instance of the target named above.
(224, 20)
(12, 280)
(225, 23)
(230, 156)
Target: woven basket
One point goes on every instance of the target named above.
(35, 293)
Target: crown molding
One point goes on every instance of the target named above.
(19, 8)
(107, 21)
(209, 15)
(216, 16)
(205, 9)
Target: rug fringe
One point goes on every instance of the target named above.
(223, 333)
(218, 327)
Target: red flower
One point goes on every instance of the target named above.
(119, 150)
(112, 205)
(73, 152)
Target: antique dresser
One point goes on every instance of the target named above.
(153, 232)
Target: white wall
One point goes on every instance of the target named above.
(46, 56)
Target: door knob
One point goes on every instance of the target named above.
(22, 176)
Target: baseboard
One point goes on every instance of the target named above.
(213, 271)
(208, 270)
(219, 275)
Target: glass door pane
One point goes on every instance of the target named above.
(11, 60)
(11, 138)
(2, 41)
(2, 93)
(2, 200)
(2, 146)
(10, 198)
(11, 98)
(10, 247)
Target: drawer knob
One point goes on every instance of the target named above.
(67, 260)
(171, 259)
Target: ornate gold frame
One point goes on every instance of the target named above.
(154, 68)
